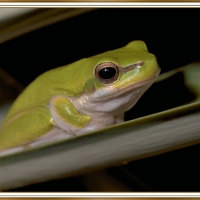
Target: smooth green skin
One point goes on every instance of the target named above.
(29, 117)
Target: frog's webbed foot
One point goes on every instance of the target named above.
(119, 118)
(26, 146)
(97, 123)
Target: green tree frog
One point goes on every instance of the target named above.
(87, 95)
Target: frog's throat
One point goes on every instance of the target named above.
(130, 67)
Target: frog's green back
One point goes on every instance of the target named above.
(64, 80)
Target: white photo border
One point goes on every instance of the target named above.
(132, 195)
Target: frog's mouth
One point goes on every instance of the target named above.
(109, 92)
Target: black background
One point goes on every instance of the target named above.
(171, 34)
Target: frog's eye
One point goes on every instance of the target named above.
(106, 72)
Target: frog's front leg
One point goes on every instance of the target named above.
(66, 116)
(69, 119)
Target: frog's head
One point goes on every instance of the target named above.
(121, 76)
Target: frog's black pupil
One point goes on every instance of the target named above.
(107, 73)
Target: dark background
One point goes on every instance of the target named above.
(171, 34)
